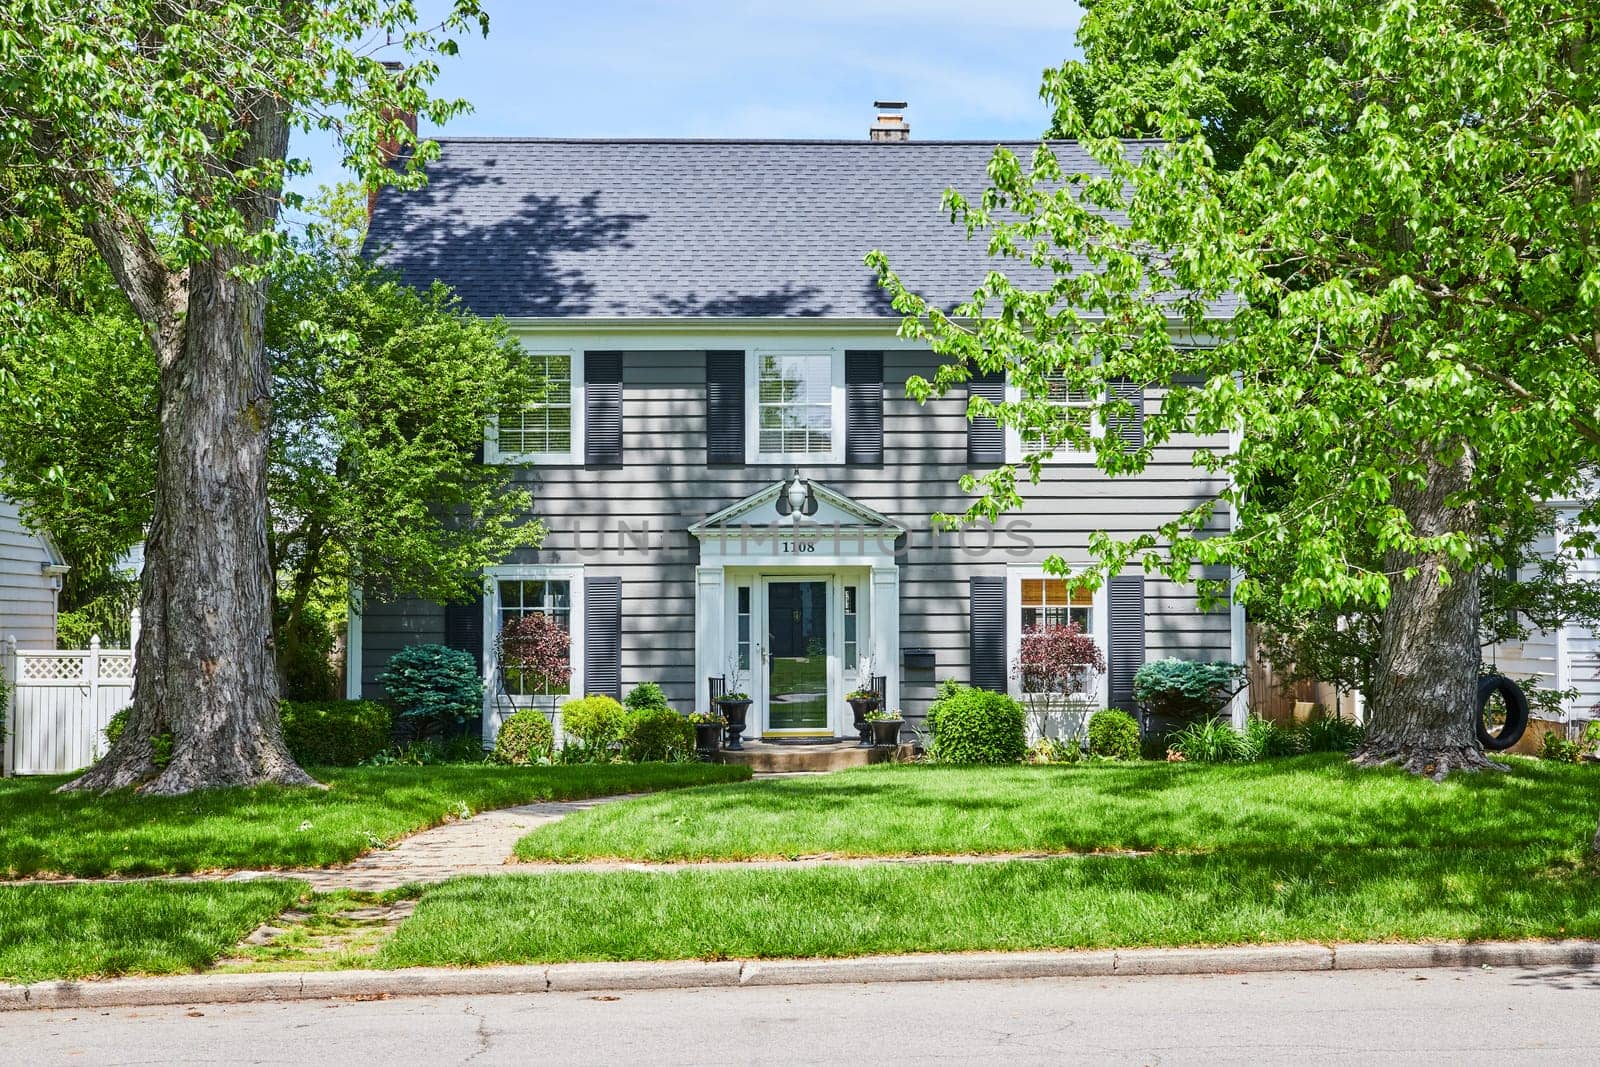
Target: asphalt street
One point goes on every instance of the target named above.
(1498, 1016)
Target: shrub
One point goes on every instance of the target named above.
(976, 726)
(162, 745)
(535, 648)
(594, 721)
(526, 737)
(466, 750)
(656, 733)
(1186, 689)
(1053, 750)
(433, 683)
(1557, 747)
(1113, 734)
(1212, 741)
(305, 662)
(1329, 733)
(645, 695)
(335, 733)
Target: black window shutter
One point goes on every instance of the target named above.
(1129, 427)
(863, 387)
(986, 442)
(987, 626)
(1125, 597)
(602, 409)
(602, 636)
(725, 408)
(463, 629)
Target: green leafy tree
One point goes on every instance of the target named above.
(1409, 233)
(161, 127)
(381, 394)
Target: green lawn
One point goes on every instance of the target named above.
(1221, 898)
(1315, 803)
(42, 832)
(80, 931)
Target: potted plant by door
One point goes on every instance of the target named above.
(734, 708)
(863, 702)
(885, 728)
(707, 733)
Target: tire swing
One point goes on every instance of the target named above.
(1516, 723)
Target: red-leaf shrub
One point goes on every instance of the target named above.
(1059, 660)
(537, 646)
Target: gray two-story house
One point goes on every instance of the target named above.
(736, 486)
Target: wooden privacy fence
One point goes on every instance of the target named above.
(60, 704)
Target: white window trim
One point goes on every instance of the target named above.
(570, 457)
(1071, 457)
(1099, 617)
(493, 576)
(752, 408)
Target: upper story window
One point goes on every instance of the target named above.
(1077, 412)
(549, 428)
(798, 403)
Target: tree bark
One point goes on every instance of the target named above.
(206, 668)
(1425, 683)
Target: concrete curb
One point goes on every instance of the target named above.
(697, 974)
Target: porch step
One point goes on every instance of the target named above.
(769, 758)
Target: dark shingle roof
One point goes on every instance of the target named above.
(531, 227)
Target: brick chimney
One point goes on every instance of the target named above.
(891, 124)
(389, 146)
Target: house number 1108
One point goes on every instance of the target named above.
(799, 546)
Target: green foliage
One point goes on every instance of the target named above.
(654, 734)
(335, 733)
(162, 745)
(463, 751)
(525, 737)
(1397, 200)
(645, 695)
(975, 726)
(595, 721)
(1212, 741)
(433, 682)
(305, 662)
(1558, 749)
(1186, 689)
(1113, 734)
(1328, 733)
(1049, 750)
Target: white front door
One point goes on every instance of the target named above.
(796, 639)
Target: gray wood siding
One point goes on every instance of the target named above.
(664, 485)
(27, 602)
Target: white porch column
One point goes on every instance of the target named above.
(886, 629)
(709, 656)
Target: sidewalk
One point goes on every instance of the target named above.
(1580, 957)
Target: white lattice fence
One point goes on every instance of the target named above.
(60, 704)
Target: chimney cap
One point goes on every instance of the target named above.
(895, 104)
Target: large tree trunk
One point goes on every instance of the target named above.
(1422, 709)
(206, 669)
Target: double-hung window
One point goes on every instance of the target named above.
(548, 428)
(1050, 602)
(1077, 415)
(550, 598)
(797, 407)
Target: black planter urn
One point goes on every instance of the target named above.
(734, 711)
(861, 706)
(885, 732)
(707, 738)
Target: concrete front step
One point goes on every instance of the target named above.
(764, 758)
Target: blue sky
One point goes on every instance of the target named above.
(722, 68)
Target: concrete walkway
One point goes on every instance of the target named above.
(479, 845)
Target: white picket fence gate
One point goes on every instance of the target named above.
(60, 704)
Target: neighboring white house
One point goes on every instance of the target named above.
(1567, 658)
(30, 581)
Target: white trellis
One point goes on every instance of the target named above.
(60, 703)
